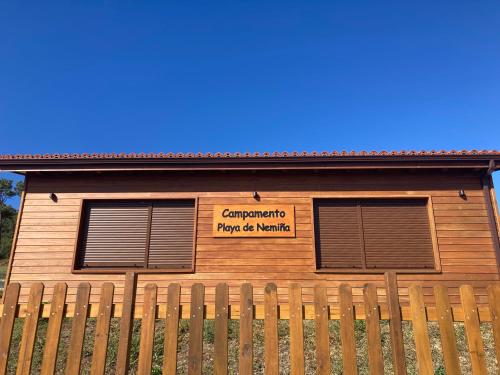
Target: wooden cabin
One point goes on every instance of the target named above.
(312, 218)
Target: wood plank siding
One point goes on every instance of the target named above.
(48, 231)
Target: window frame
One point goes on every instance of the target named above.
(75, 269)
(432, 226)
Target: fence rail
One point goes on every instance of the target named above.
(246, 312)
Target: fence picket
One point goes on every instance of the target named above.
(397, 344)
(375, 357)
(147, 330)
(221, 329)
(347, 330)
(472, 330)
(246, 330)
(296, 330)
(126, 324)
(29, 330)
(271, 353)
(420, 331)
(171, 330)
(78, 329)
(98, 366)
(195, 356)
(322, 335)
(7, 323)
(494, 302)
(54, 329)
(447, 331)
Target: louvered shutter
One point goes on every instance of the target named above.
(397, 234)
(172, 231)
(338, 235)
(114, 234)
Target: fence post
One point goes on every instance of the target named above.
(78, 330)
(147, 330)
(246, 330)
(347, 330)
(29, 330)
(375, 356)
(171, 330)
(54, 329)
(98, 366)
(398, 350)
(322, 334)
(271, 352)
(7, 323)
(195, 356)
(221, 329)
(126, 324)
(296, 330)
(472, 330)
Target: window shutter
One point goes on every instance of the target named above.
(397, 233)
(114, 234)
(338, 234)
(172, 231)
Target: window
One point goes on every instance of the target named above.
(133, 234)
(373, 234)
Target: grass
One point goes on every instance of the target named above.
(233, 343)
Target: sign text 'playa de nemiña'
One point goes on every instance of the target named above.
(254, 220)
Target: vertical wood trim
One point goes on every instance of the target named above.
(435, 244)
(148, 235)
(246, 330)
(487, 183)
(472, 330)
(16, 234)
(98, 366)
(171, 330)
(195, 234)
(74, 262)
(398, 350)
(420, 331)
(126, 324)
(195, 356)
(147, 330)
(221, 329)
(375, 356)
(296, 330)
(78, 324)
(29, 330)
(494, 302)
(447, 330)
(322, 334)
(7, 323)
(359, 210)
(54, 329)
(347, 330)
(271, 350)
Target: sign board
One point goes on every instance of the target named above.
(254, 220)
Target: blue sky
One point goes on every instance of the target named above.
(248, 76)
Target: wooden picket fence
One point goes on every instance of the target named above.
(246, 311)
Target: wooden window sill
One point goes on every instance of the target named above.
(377, 271)
(136, 270)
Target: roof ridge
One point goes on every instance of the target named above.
(222, 155)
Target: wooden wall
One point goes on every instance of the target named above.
(48, 230)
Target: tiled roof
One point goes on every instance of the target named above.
(229, 155)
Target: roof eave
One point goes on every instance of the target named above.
(250, 163)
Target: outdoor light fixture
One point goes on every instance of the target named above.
(462, 194)
(256, 196)
(53, 197)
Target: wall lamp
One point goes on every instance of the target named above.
(462, 194)
(53, 197)
(256, 196)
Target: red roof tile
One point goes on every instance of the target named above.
(236, 155)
